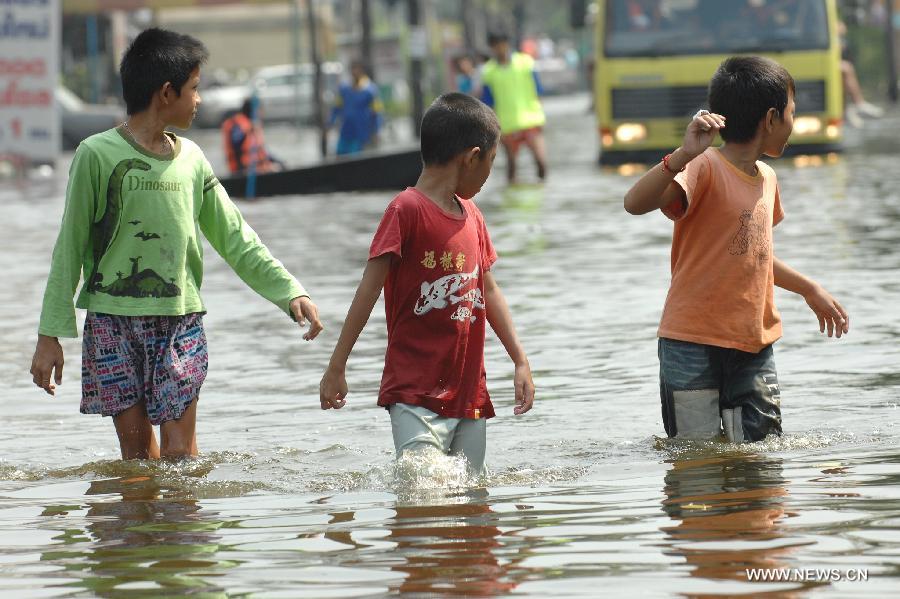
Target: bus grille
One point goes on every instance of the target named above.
(810, 96)
(684, 101)
(657, 102)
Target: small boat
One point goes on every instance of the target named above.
(368, 171)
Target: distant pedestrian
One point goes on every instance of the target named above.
(137, 200)
(510, 85)
(358, 106)
(467, 76)
(855, 105)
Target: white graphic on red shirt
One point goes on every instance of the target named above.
(443, 292)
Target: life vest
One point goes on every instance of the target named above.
(249, 150)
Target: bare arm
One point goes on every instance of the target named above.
(656, 188)
(830, 313)
(333, 387)
(499, 318)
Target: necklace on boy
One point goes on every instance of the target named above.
(170, 146)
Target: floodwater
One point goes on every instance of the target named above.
(585, 497)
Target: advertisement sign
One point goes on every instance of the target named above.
(29, 55)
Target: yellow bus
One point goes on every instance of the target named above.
(654, 59)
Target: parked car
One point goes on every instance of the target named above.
(219, 103)
(81, 120)
(275, 87)
(557, 76)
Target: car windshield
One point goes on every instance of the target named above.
(678, 27)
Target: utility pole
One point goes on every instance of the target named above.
(317, 83)
(891, 52)
(93, 57)
(518, 12)
(468, 24)
(295, 56)
(418, 48)
(366, 17)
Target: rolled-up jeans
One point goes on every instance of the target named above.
(706, 389)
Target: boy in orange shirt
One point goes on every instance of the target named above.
(717, 367)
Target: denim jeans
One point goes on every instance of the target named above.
(705, 389)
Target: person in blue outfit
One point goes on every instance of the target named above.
(359, 108)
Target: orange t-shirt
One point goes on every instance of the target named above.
(723, 281)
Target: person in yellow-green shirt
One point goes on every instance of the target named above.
(510, 85)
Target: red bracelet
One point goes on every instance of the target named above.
(665, 164)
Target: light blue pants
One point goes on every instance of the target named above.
(415, 427)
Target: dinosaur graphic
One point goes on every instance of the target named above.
(107, 228)
(141, 283)
(436, 295)
(147, 236)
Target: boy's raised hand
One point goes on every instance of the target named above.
(48, 357)
(701, 132)
(304, 309)
(333, 389)
(524, 389)
(829, 311)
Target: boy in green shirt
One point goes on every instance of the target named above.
(138, 197)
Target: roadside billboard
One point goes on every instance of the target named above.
(29, 56)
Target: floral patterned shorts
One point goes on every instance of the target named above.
(158, 360)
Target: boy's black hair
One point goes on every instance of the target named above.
(743, 90)
(153, 58)
(454, 123)
(497, 36)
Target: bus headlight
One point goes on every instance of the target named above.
(807, 125)
(631, 132)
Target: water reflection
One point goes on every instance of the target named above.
(147, 541)
(728, 513)
(449, 549)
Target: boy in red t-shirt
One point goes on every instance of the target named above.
(717, 367)
(432, 255)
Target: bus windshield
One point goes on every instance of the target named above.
(636, 28)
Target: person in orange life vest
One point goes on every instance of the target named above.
(244, 145)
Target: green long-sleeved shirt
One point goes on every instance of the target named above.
(132, 224)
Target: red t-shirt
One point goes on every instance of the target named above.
(434, 303)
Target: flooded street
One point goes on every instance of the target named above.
(585, 496)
